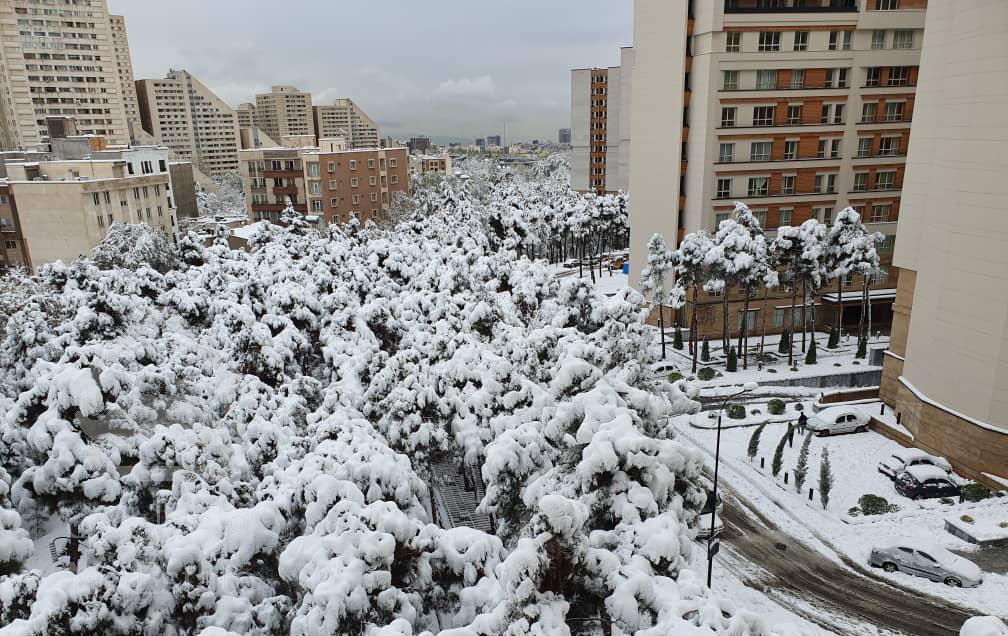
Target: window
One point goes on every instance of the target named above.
(728, 116)
(878, 39)
(801, 40)
(723, 188)
(880, 212)
(838, 112)
(372, 181)
(374, 197)
(760, 151)
(95, 198)
(860, 181)
(864, 147)
(394, 179)
(797, 78)
(719, 218)
(824, 117)
(769, 41)
(835, 148)
(873, 76)
(353, 164)
(766, 80)
(726, 153)
(790, 150)
(899, 76)
(333, 202)
(889, 146)
(356, 199)
(730, 80)
(881, 276)
(733, 42)
(353, 182)
(759, 186)
(763, 116)
(332, 184)
(885, 179)
(836, 78)
(869, 111)
(831, 183)
(903, 39)
(839, 40)
(370, 164)
(787, 184)
(315, 187)
(887, 244)
(822, 183)
(392, 163)
(313, 169)
(794, 115)
(331, 167)
(316, 205)
(784, 217)
(827, 215)
(823, 147)
(894, 111)
(886, 5)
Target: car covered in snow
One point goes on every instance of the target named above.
(931, 561)
(707, 516)
(925, 481)
(904, 458)
(838, 419)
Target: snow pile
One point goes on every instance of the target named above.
(984, 626)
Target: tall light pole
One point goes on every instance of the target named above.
(746, 388)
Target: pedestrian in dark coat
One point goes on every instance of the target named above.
(802, 423)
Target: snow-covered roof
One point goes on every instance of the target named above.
(855, 296)
(908, 455)
(248, 231)
(924, 472)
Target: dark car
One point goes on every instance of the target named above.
(925, 482)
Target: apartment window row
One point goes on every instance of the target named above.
(759, 186)
(892, 111)
(894, 76)
(884, 180)
(828, 148)
(768, 79)
(900, 39)
(888, 147)
(772, 41)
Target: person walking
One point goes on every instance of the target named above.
(802, 423)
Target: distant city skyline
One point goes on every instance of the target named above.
(466, 74)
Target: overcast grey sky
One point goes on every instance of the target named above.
(443, 67)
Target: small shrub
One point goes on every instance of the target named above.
(801, 468)
(837, 364)
(756, 412)
(854, 511)
(855, 362)
(675, 376)
(705, 351)
(825, 479)
(706, 374)
(875, 505)
(946, 500)
(677, 342)
(1003, 524)
(737, 412)
(784, 343)
(775, 406)
(778, 456)
(771, 370)
(862, 348)
(834, 338)
(967, 519)
(811, 356)
(975, 492)
(794, 369)
(799, 406)
(732, 364)
(753, 448)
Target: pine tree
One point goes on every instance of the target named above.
(801, 469)
(705, 351)
(810, 357)
(862, 348)
(732, 364)
(834, 338)
(677, 342)
(825, 479)
(778, 456)
(784, 343)
(754, 441)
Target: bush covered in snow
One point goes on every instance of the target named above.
(246, 441)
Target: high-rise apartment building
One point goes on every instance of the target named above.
(284, 111)
(796, 107)
(344, 118)
(600, 126)
(60, 59)
(494, 141)
(124, 69)
(946, 370)
(187, 117)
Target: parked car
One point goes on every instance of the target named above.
(927, 560)
(838, 419)
(904, 458)
(706, 516)
(925, 481)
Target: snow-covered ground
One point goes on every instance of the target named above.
(854, 459)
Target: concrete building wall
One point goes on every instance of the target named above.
(580, 122)
(183, 189)
(124, 69)
(284, 111)
(34, 83)
(362, 182)
(953, 385)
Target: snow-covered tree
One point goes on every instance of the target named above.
(691, 274)
(654, 281)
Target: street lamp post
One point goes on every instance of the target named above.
(749, 386)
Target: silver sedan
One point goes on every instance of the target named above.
(929, 561)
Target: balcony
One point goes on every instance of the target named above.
(790, 6)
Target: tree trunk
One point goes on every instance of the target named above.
(868, 300)
(766, 308)
(864, 300)
(812, 311)
(804, 318)
(839, 317)
(693, 329)
(725, 338)
(794, 301)
(661, 326)
(745, 333)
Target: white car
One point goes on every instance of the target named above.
(926, 559)
(838, 419)
(704, 526)
(904, 458)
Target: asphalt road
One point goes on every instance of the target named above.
(823, 592)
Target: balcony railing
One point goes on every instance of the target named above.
(790, 6)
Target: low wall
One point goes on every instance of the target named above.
(869, 378)
(836, 397)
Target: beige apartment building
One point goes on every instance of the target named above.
(127, 86)
(946, 370)
(430, 164)
(344, 118)
(187, 117)
(796, 107)
(600, 126)
(62, 209)
(274, 177)
(284, 111)
(60, 59)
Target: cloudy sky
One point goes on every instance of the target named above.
(459, 68)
